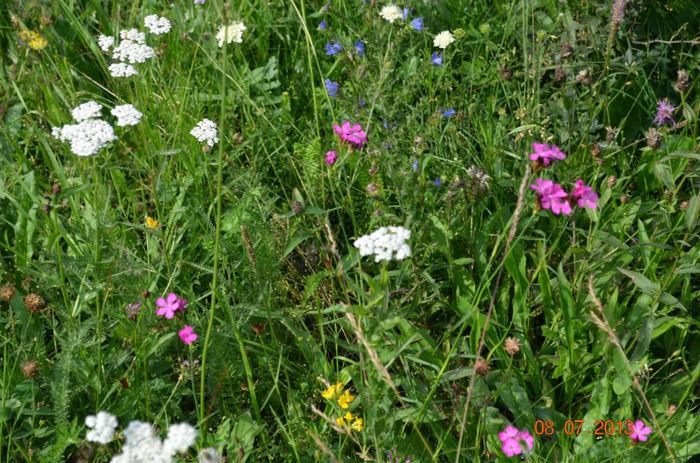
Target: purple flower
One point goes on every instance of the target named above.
(417, 24)
(544, 154)
(168, 306)
(448, 113)
(132, 310)
(511, 438)
(331, 87)
(438, 182)
(323, 25)
(406, 12)
(664, 112)
(333, 48)
(199, 1)
(415, 165)
(187, 335)
(360, 47)
(361, 102)
(551, 196)
(584, 195)
(331, 156)
(639, 431)
(351, 133)
(436, 59)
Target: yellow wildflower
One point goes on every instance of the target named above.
(333, 392)
(345, 399)
(357, 424)
(345, 420)
(33, 39)
(151, 223)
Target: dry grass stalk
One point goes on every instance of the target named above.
(324, 448)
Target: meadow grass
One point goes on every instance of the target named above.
(504, 313)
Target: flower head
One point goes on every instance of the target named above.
(333, 47)
(417, 24)
(331, 156)
(156, 25)
(438, 182)
(168, 306)
(132, 310)
(551, 196)
(33, 39)
(122, 70)
(89, 110)
(386, 243)
(151, 222)
(640, 431)
(126, 115)
(357, 424)
(105, 42)
(231, 33)
(360, 47)
(205, 131)
(584, 195)
(448, 113)
(187, 335)
(351, 133)
(345, 399)
(443, 39)
(199, 1)
(436, 59)
(87, 137)
(101, 427)
(345, 420)
(512, 438)
(323, 25)
(664, 112)
(391, 13)
(331, 87)
(544, 154)
(333, 392)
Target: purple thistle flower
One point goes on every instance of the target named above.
(436, 59)
(323, 25)
(333, 48)
(417, 24)
(664, 112)
(360, 47)
(331, 87)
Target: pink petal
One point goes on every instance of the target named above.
(161, 302)
(172, 298)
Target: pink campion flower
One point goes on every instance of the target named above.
(187, 335)
(544, 154)
(168, 306)
(511, 447)
(181, 303)
(640, 431)
(527, 437)
(331, 156)
(551, 196)
(584, 195)
(352, 133)
(511, 432)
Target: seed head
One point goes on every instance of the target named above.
(683, 206)
(683, 83)
(145, 294)
(596, 150)
(624, 199)
(33, 302)
(297, 207)
(373, 188)
(505, 72)
(612, 181)
(671, 410)
(481, 368)
(30, 369)
(566, 50)
(653, 138)
(610, 135)
(56, 188)
(559, 76)
(7, 292)
(512, 345)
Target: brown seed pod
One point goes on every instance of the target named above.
(33, 302)
(30, 369)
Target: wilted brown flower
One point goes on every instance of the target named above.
(612, 181)
(481, 368)
(56, 188)
(683, 206)
(297, 207)
(653, 138)
(30, 369)
(7, 292)
(33, 302)
(566, 50)
(683, 83)
(596, 150)
(505, 72)
(559, 75)
(512, 345)
(611, 132)
(373, 188)
(624, 199)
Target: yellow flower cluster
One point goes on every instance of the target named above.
(151, 223)
(33, 39)
(344, 400)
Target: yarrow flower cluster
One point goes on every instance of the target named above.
(386, 243)
(443, 39)
(122, 70)
(142, 444)
(156, 25)
(205, 131)
(126, 114)
(512, 439)
(231, 33)
(351, 133)
(90, 134)
(391, 13)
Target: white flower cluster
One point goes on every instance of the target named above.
(142, 444)
(205, 131)
(156, 25)
(443, 39)
(391, 13)
(126, 114)
(105, 42)
(231, 33)
(122, 70)
(101, 427)
(386, 243)
(90, 134)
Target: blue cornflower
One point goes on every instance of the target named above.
(331, 87)
(323, 25)
(436, 59)
(417, 24)
(438, 182)
(333, 48)
(360, 47)
(415, 165)
(448, 113)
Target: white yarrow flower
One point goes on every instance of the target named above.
(205, 131)
(391, 13)
(386, 243)
(443, 39)
(105, 42)
(157, 25)
(122, 70)
(102, 427)
(126, 115)
(87, 137)
(231, 33)
(181, 436)
(134, 35)
(132, 51)
(85, 111)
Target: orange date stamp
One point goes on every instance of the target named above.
(573, 428)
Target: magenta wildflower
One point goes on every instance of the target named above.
(511, 438)
(199, 1)
(664, 112)
(181, 303)
(544, 154)
(187, 335)
(584, 195)
(527, 438)
(331, 156)
(551, 196)
(511, 432)
(168, 306)
(351, 133)
(132, 310)
(640, 431)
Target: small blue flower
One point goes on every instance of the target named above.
(384, 122)
(406, 11)
(333, 48)
(323, 25)
(436, 59)
(331, 87)
(438, 182)
(448, 113)
(360, 47)
(417, 24)
(361, 102)
(415, 165)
